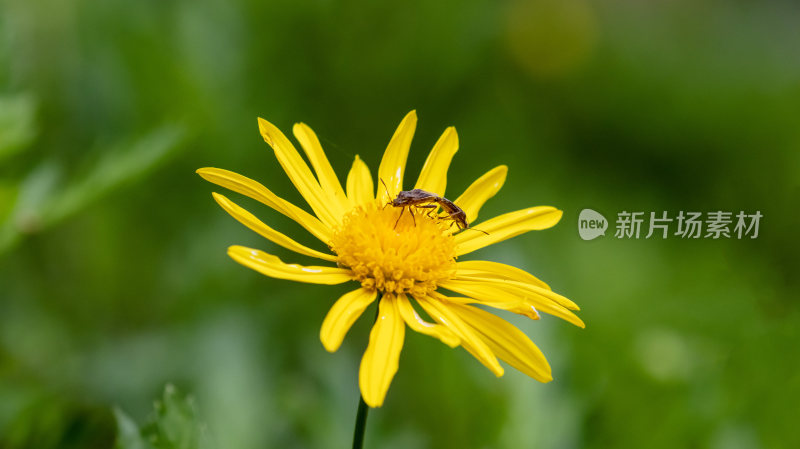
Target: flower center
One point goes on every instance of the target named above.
(410, 255)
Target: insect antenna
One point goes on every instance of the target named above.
(476, 229)
(388, 195)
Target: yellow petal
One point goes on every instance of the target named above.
(522, 286)
(433, 176)
(249, 220)
(322, 167)
(273, 267)
(506, 226)
(248, 187)
(480, 191)
(394, 159)
(500, 293)
(485, 268)
(380, 361)
(359, 183)
(295, 167)
(342, 315)
(415, 322)
(441, 313)
(508, 342)
(510, 303)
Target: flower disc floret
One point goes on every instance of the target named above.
(391, 251)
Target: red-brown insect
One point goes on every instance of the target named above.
(427, 200)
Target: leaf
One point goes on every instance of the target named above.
(44, 198)
(35, 197)
(173, 425)
(128, 434)
(17, 127)
(117, 166)
(32, 198)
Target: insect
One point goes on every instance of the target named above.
(427, 200)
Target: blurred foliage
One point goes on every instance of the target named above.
(43, 198)
(174, 425)
(113, 274)
(16, 124)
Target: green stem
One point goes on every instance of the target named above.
(363, 409)
(361, 423)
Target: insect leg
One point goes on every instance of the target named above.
(431, 208)
(402, 209)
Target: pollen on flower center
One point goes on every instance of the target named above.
(407, 256)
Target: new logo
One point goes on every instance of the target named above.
(591, 224)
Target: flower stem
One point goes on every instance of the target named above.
(361, 423)
(361, 414)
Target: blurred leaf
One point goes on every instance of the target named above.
(173, 425)
(17, 128)
(116, 167)
(44, 199)
(8, 195)
(128, 434)
(33, 198)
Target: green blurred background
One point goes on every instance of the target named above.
(114, 280)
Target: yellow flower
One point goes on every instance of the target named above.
(398, 256)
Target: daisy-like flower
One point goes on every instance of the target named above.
(404, 260)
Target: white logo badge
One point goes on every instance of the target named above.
(591, 224)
